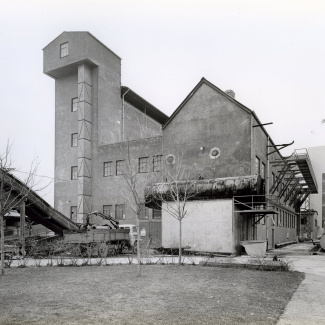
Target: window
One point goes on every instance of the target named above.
(143, 165)
(73, 214)
(119, 167)
(107, 210)
(74, 104)
(257, 165)
(263, 170)
(144, 212)
(64, 49)
(157, 163)
(120, 211)
(74, 172)
(156, 214)
(108, 168)
(74, 140)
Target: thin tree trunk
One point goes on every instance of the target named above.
(138, 246)
(180, 243)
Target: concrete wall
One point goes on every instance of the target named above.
(66, 123)
(207, 227)
(280, 229)
(138, 125)
(108, 190)
(209, 119)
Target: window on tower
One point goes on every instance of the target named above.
(74, 172)
(64, 49)
(73, 213)
(74, 104)
(74, 140)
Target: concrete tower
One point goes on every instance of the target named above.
(87, 114)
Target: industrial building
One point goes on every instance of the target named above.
(99, 123)
(313, 209)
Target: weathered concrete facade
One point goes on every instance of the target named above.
(98, 123)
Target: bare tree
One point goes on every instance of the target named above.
(132, 189)
(13, 191)
(173, 195)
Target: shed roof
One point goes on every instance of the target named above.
(143, 106)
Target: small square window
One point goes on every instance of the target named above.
(64, 49)
(74, 140)
(157, 163)
(120, 211)
(143, 165)
(74, 172)
(74, 104)
(108, 168)
(119, 167)
(73, 213)
(107, 210)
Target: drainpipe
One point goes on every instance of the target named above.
(122, 133)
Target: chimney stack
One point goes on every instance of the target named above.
(230, 93)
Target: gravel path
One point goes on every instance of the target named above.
(307, 304)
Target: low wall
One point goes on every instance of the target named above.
(207, 227)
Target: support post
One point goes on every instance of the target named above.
(267, 186)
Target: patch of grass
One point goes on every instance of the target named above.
(163, 295)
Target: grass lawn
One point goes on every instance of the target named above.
(165, 294)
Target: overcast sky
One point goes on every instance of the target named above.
(271, 53)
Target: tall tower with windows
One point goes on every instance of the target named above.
(87, 114)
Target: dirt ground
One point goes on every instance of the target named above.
(164, 294)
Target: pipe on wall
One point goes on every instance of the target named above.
(123, 109)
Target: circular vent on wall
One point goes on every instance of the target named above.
(214, 153)
(170, 159)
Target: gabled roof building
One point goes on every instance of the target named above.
(98, 123)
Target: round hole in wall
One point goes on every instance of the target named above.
(170, 159)
(214, 153)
